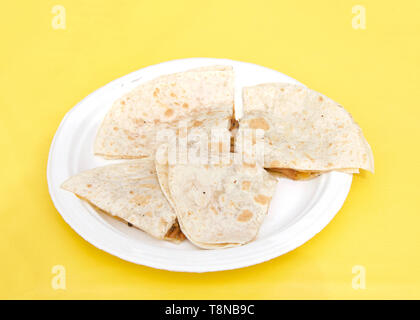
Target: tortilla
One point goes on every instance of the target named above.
(129, 191)
(304, 131)
(200, 97)
(162, 172)
(219, 205)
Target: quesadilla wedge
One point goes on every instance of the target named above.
(305, 132)
(129, 191)
(219, 205)
(195, 98)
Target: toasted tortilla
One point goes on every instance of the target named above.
(195, 98)
(129, 191)
(218, 206)
(305, 132)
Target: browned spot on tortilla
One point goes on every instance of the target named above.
(156, 92)
(141, 200)
(131, 138)
(261, 199)
(115, 128)
(131, 192)
(169, 112)
(89, 185)
(249, 165)
(173, 95)
(321, 98)
(139, 121)
(246, 215)
(220, 146)
(214, 210)
(185, 105)
(246, 185)
(282, 89)
(259, 123)
(189, 213)
(149, 214)
(329, 164)
(148, 185)
(123, 102)
(197, 123)
(309, 157)
(159, 206)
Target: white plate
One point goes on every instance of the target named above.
(299, 209)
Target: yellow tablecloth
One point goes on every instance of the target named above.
(374, 72)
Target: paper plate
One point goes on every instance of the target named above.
(299, 209)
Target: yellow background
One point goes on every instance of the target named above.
(374, 73)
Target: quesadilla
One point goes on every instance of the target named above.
(305, 132)
(200, 97)
(218, 205)
(129, 191)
